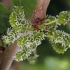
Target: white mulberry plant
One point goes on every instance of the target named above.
(29, 38)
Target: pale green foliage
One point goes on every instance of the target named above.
(28, 38)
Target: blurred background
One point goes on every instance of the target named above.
(48, 59)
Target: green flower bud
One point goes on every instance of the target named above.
(63, 17)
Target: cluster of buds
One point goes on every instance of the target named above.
(21, 30)
(28, 38)
(60, 40)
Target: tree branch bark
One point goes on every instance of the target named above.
(8, 56)
(10, 52)
(39, 11)
(6, 3)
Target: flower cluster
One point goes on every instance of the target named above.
(28, 38)
(18, 20)
(11, 36)
(28, 44)
(60, 40)
(64, 17)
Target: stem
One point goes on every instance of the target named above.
(50, 22)
(8, 57)
(39, 11)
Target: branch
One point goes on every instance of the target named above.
(39, 11)
(8, 57)
(6, 3)
(10, 52)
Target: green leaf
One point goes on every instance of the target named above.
(4, 18)
(3, 10)
(27, 4)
